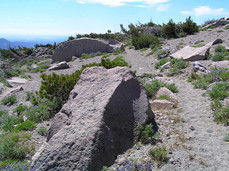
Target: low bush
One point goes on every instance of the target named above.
(144, 41)
(218, 57)
(216, 104)
(42, 131)
(176, 65)
(152, 88)
(161, 62)
(222, 115)
(226, 138)
(10, 100)
(20, 109)
(145, 133)
(159, 154)
(219, 91)
(220, 49)
(44, 109)
(15, 146)
(221, 53)
(7, 122)
(25, 126)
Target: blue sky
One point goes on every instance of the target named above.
(48, 18)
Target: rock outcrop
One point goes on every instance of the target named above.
(42, 52)
(218, 23)
(97, 123)
(77, 47)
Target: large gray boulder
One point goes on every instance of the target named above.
(97, 123)
(77, 47)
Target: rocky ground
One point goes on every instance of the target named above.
(194, 141)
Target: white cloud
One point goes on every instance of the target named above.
(205, 10)
(162, 7)
(116, 3)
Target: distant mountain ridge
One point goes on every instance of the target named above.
(5, 44)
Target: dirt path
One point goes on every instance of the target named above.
(205, 148)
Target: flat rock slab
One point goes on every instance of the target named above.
(191, 53)
(97, 123)
(61, 65)
(17, 80)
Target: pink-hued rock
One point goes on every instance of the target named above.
(162, 105)
(163, 91)
(97, 123)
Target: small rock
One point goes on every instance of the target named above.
(162, 105)
(61, 65)
(164, 91)
(192, 128)
(167, 65)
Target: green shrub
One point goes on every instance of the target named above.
(14, 146)
(7, 122)
(218, 57)
(222, 115)
(216, 104)
(189, 26)
(145, 133)
(42, 131)
(44, 109)
(224, 75)
(161, 62)
(220, 49)
(118, 51)
(144, 41)
(20, 109)
(118, 61)
(13, 72)
(25, 126)
(226, 138)
(152, 88)
(219, 91)
(176, 65)
(2, 113)
(10, 100)
(169, 29)
(199, 41)
(159, 154)
(203, 81)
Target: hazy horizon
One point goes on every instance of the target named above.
(28, 20)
